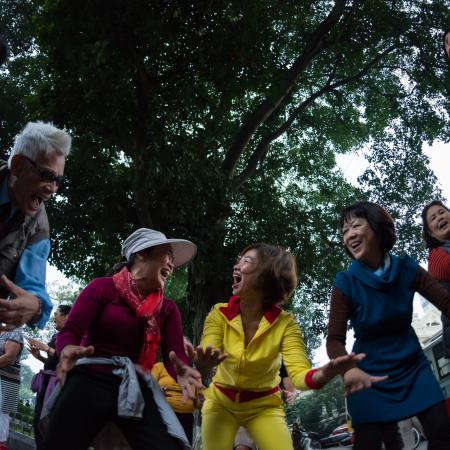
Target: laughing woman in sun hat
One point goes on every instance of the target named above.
(115, 327)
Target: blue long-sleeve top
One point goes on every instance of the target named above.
(31, 270)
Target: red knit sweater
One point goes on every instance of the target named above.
(439, 264)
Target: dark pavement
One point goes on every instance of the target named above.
(422, 446)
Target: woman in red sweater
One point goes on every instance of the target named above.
(114, 328)
(436, 234)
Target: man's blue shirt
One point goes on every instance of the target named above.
(31, 270)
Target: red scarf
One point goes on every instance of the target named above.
(145, 308)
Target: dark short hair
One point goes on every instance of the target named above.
(124, 262)
(443, 42)
(276, 273)
(379, 220)
(64, 309)
(430, 241)
(117, 267)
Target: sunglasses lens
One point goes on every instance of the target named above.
(48, 175)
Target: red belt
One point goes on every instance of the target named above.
(245, 396)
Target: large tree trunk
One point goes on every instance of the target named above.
(209, 279)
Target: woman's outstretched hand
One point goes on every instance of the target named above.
(356, 379)
(68, 358)
(336, 366)
(205, 359)
(188, 378)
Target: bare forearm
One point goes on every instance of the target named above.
(6, 360)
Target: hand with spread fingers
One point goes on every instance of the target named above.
(37, 345)
(188, 378)
(290, 396)
(337, 366)
(205, 359)
(34, 351)
(356, 379)
(68, 358)
(19, 311)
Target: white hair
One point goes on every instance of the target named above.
(39, 139)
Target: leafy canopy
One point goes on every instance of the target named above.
(220, 121)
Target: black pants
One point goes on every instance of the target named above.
(37, 414)
(88, 402)
(435, 422)
(369, 436)
(187, 422)
(436, 426)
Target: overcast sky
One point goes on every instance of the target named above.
(353, 166)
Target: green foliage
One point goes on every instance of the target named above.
(64, 292)
(320, 411)
(61, 292)
(220, 121)
(22, 421)
(21, 73)
(176, 290)
(25, 393)
(25, 410)
(398, 170)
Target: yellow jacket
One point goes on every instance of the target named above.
(171, 389)
(256, 368)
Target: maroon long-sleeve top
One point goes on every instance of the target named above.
(102, 318)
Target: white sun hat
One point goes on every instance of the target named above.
(183, 250)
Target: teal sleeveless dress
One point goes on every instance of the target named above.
(381, 318)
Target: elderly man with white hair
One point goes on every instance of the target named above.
(33, 173)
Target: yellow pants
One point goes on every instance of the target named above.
(263, 418)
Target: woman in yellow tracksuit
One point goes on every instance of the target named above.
(251, 334)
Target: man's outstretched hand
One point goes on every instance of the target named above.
(18, 311)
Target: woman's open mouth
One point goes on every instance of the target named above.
(237, 278)
(354, 246)
(165, 272)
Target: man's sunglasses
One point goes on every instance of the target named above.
(46, 174)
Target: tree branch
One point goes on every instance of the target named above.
(314, 46)
(262, 148)
(365, 70)
(168, 75)
(140, 142)
(331, 248)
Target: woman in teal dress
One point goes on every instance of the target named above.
(376, 295)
